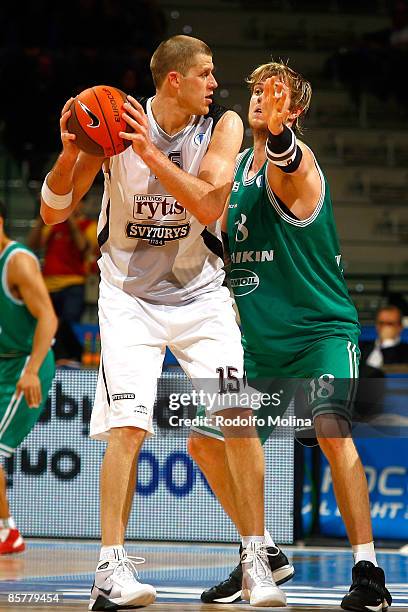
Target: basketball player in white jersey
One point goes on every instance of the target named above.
(162, 285)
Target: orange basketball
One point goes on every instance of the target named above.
(96, 120)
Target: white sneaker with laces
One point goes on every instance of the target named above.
(117, 586)
(258, 585)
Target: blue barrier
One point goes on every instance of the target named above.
(386, 465)
(369, 334)
(57, 461)
(385, 461)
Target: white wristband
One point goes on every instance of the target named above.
(53, 200)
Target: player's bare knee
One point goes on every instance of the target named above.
(335, 448)
(199, 447)
(130, 439)
(238, 424)
(332, 426)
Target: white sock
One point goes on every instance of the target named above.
(364, 552)
(7, 523)
(112, 553)
(246, 540)
(268, 539)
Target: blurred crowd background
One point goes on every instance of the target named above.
(50, 51)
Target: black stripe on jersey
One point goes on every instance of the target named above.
(105, 383)
(216, 112)
(226, 249)
(284, 208)
(104, 233)
(212, 243)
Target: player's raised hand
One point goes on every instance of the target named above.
(136, 118)
(68, 140)
(30, 385)
(275, 104)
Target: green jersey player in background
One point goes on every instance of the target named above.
(297, 319)
(27, 327)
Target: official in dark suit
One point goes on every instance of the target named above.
(387, 349)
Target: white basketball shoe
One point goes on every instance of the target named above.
(258, 585)
(116, 586)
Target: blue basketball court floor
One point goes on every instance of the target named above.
(64, 570)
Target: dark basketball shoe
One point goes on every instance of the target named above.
(368, 592)
(229, 591)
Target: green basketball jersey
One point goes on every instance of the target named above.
(286, 274)
(17, 325)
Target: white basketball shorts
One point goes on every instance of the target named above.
(203, 336)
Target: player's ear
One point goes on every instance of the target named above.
(174, 79)
(294, 114)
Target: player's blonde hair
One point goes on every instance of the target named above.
(176, 53)
(300, 88)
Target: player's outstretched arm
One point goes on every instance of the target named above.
(70, 178)
(25, 280)
(298, 182)
(205, 195)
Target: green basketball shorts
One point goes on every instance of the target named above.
(16, 418)
(320, 379)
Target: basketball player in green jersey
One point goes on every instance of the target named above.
(27, 327)
(297, 319)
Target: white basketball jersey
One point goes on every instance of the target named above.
(151, 246)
